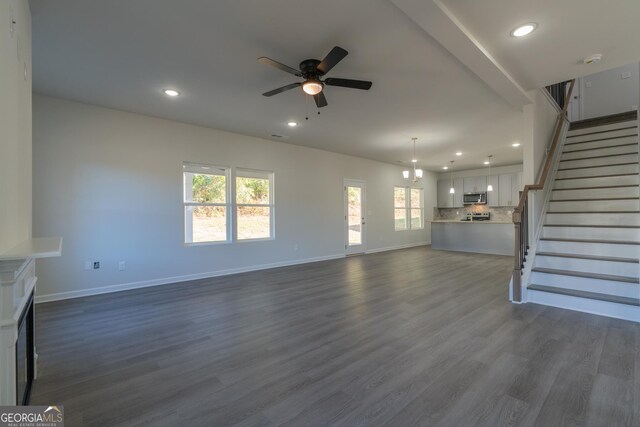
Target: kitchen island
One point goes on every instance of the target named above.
(488, 237)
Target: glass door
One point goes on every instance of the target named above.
(354, 216)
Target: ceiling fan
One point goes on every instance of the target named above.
(312, 70)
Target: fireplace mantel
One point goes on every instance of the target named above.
(17, 287)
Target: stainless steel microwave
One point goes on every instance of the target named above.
(475, 199)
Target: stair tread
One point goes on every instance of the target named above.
(600, 148)
(591, 257)
(593, 212)
(611, 138)
(596, 188)
(598, 276)
(598, 166)
(599, 176)
(601, 199)
(609, 119)
(612, 242)
(599, 157)
(592, 225)
(586, 294)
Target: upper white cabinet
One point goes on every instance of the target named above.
(445, 198)
(509, 188)
(475, 184)
(505, 192)
(493, 196)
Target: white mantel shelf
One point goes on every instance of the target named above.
(37, 247)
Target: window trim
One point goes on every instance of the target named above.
(191, 167)
(407, 208)
(260, 174)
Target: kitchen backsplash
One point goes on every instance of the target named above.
(497, 213)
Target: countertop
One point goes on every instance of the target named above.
(469, 222)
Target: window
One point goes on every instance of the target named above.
(254, 204)
(210, 209)
(408, 209)
(206, 209)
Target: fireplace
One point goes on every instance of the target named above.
(25, 352)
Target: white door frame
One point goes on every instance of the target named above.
(361, 248)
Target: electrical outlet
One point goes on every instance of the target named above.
(122, 266)
(587, 84)
(96, 265)
(625, 75)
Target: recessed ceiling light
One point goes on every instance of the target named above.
(515, 144)
(171, 92)
(445, 167)
(523, 30)
(414, 160)
(293, 124)
(486, 162)
(459, 153)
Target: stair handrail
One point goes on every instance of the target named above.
(521, 212)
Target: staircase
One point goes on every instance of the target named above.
(588, 252)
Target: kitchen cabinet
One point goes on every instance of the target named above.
(493, 197)
(445, 198)
(475, 184)
(458, 185)
(508, 189)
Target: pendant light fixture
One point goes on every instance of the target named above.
(490, 187)
(417, 172)
(452, 190)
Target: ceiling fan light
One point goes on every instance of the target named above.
(405, 174)
(312, 87)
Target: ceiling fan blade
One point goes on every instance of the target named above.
(336, 55)
(353, 84)
(281, 89)
(320, 99)
(268, 61)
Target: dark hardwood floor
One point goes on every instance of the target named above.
(403, 338)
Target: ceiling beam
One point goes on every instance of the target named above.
(441, 24)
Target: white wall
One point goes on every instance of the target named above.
(111, 183)
(608, 93)
(539, 123)
(15, 125)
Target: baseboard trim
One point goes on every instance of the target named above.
(397, 247)
(185, 278)
(175, 279)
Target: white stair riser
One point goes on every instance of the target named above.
(600, 161)
(603, 128)
(590, 219)
(571, 139)
(605, 170)
(602, 143)
(596, 193)
(609, 287)
(593, 233)
(598, 182)
(604, 308)
(595, 205)
(597, 249)
(627, 269)
(599, 152)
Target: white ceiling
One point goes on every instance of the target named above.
(122, 53)
(568, 31)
